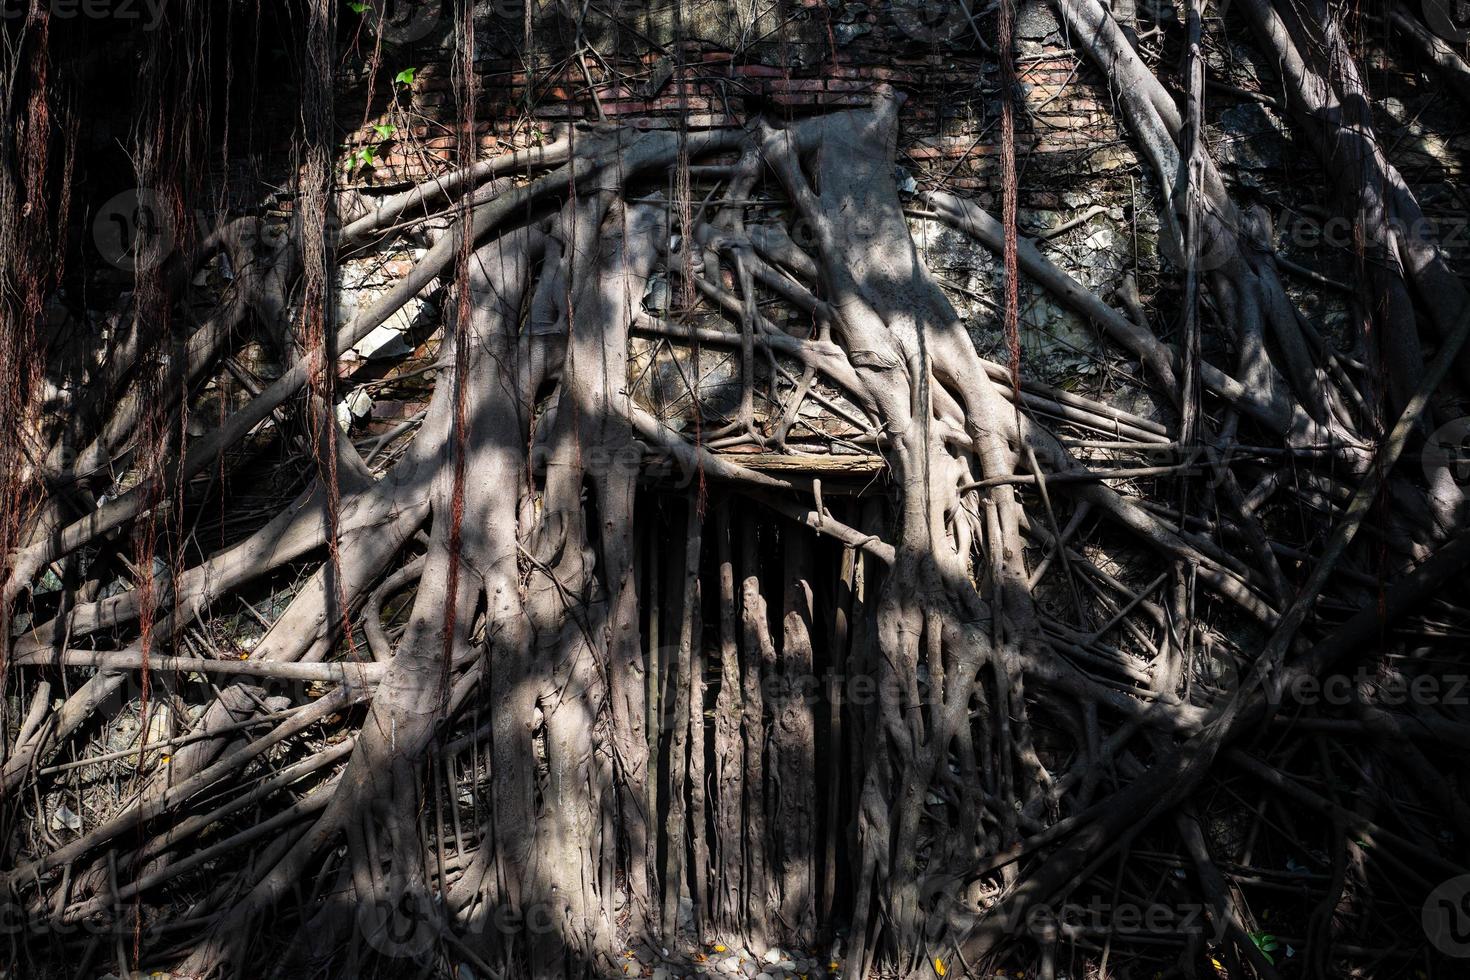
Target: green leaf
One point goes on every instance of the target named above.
(365, 157)
(357, 6)
(1266, 943)
(405, 77)
(385, 130)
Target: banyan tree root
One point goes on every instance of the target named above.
(613, 714)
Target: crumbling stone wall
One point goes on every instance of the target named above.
(712, 63)
(794, 59)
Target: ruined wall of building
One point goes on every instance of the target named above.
(1083, 196)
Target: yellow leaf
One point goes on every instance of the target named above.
(939, 966)
(719, 948)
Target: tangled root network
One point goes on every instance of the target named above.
(582, 659)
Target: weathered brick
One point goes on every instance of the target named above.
(761, 71)
(946, 109)
(796, 85)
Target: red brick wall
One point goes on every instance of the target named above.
(948, 119)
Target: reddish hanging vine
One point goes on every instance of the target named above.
(1009, 187)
